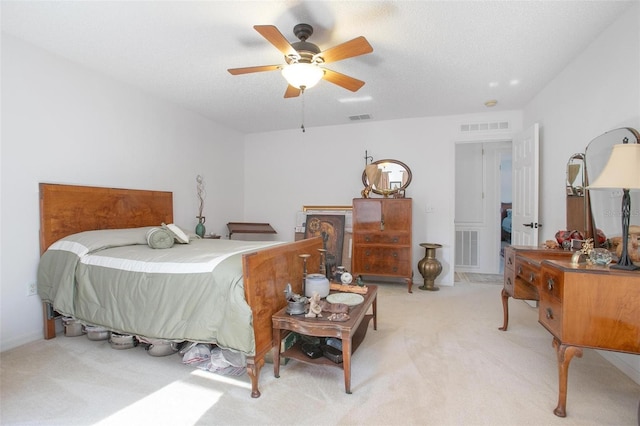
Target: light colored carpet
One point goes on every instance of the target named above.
(437, 358)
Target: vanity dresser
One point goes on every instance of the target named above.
(382, 238)
(581, 305)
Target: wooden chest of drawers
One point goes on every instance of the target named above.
(382, 238)
(590, 306)
(587, 306)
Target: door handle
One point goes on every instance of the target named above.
(533, 225)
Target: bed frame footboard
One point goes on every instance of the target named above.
(266, 274)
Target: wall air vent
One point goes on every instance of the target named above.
(484, 127)
(360, 117)
(467, 249)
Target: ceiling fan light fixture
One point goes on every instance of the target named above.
(302, 74)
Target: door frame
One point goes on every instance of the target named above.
(492, 213)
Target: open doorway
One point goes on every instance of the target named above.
(483, 198)
(506, 194)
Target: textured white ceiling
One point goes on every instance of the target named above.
(430, 57)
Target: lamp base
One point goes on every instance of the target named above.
(625, 263)
(630, 267)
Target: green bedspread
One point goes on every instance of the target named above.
(188, 292)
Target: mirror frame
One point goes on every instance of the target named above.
(388, 192)
(591, 199)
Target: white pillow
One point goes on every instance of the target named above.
(181, 237)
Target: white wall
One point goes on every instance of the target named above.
(286, 170)
(64, 124)
(597, 92)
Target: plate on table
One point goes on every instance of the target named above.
(349, 299)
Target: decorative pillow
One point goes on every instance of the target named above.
(160, 238)
(178, 233)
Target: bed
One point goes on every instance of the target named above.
(77, 216)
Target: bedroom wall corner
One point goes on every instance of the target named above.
(597, 92)
(62, 123)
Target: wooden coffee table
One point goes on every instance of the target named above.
(352, 333)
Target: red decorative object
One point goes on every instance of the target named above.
(562, 236)
(576, 235)
(600, 237)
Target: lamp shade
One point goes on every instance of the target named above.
(622, 170)
(302, 74)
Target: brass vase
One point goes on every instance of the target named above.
(429, 266)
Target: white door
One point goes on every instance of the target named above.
(525, 162)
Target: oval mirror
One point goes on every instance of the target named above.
(606, 205)
(577, 205)
(387, 177)
(575, 175)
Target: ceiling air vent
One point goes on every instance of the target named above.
(360, 117)
(484, 127)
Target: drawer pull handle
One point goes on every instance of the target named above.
(510, 261)
(519, 270)
(395, 255)
(509, 281)
(550, 284)
(367, 239)
(367, 253)
(549, 314)
(532, 277)
(395, 240)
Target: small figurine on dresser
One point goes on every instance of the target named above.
(315, 309)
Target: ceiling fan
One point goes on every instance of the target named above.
(304, 59)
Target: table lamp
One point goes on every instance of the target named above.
(622, 171)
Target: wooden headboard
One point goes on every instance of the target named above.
(69, 209)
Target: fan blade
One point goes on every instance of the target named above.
(291, 92)
(356, 47)
(342, 80)
(275, 37)
(247, 70)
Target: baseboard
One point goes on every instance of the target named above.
(624, 362)
(21, 340)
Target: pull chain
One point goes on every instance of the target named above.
(302, 94)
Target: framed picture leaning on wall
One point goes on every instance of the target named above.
(331, 228)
